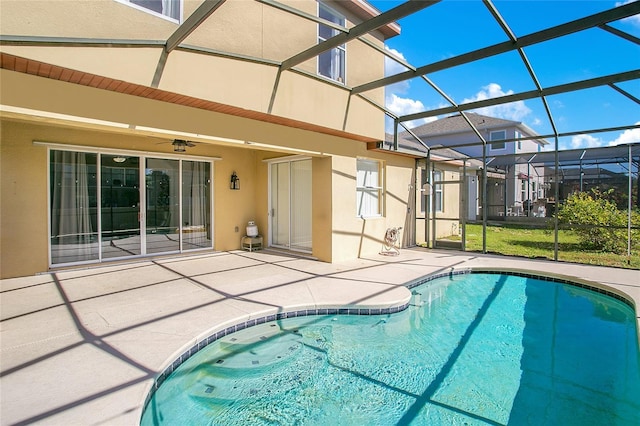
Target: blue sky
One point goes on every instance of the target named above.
(454, 27)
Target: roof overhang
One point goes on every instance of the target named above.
(40, 69)
(364, 10)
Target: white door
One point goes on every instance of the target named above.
(472, 197)
(290, 204)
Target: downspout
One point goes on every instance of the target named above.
(557, 200)
(629, 210)
(427, 217)
(465, 202)
(484, 196)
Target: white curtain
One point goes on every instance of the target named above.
(71, 229)
(195, 204)
(70, 197)
(198, 203)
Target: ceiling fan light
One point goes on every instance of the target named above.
(179, 145)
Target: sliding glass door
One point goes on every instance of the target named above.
(290, 186)
(106, 206)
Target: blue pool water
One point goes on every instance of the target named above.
(471, 349)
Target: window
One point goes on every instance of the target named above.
(369, 188)
(437, 190)
(497, 136)
(534, 192)
(168, 8)
(331, 63)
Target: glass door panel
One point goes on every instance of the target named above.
(196, 205)
(162, 205)
(74, 207)
(120, 206)
(301, 205)
(280, 204)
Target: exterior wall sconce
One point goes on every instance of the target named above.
(235, 181)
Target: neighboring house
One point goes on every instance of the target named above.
(141, 128)
(509, 187)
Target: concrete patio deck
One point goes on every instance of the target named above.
(82, 347)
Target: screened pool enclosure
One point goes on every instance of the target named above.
(460, 198)
(524, 194)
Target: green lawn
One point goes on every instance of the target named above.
(539, 243)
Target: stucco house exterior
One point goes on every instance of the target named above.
(142, 128)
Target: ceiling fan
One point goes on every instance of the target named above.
(180, 145)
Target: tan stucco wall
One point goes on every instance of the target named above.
(23, 203)
(365, 236)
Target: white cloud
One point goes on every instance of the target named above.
(512, 111)
(628, 136)
(391, 67)
(394, 101)
(585, 141)
(635, 19)
(588, 141)
(404, 106)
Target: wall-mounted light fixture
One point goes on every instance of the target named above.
(235, 181)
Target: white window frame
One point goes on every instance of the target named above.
(158, 14)
(367, 190)
(143, 156)
(340, 50)
(438, 191)
(493, 137)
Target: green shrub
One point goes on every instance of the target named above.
(597, 221)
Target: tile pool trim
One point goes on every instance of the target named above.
(159, 380)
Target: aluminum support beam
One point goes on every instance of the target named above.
(192, 22)
(624, 35)
(554, 90)
(17, 40)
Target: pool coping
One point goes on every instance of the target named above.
(238, 325)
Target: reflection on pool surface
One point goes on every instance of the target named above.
(471, 349)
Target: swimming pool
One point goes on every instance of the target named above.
(475, 348)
